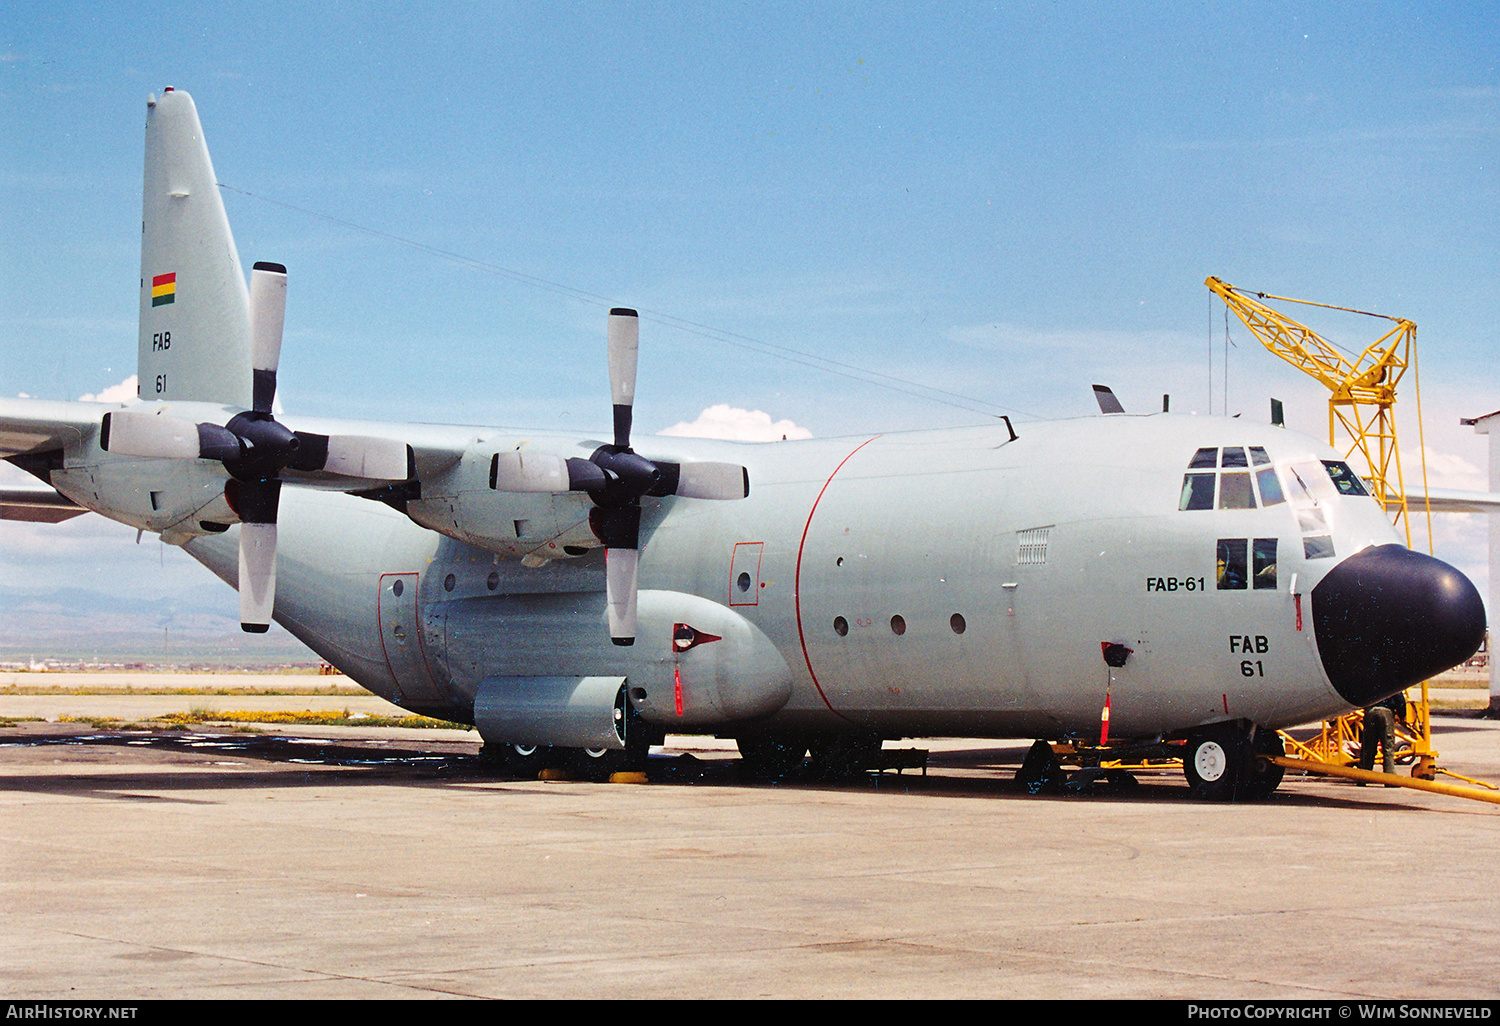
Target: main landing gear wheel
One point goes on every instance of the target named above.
(771, 756)
(843, 756)
(526, 761)
(595, 764)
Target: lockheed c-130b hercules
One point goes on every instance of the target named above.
(577, 597)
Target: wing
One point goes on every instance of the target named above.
(1448, 500)
(32, 426)
(34, 435)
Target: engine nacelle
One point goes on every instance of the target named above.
(461, 502)
(563, 712)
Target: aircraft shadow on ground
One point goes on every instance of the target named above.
(298, 762)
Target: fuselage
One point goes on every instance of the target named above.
(927, 583)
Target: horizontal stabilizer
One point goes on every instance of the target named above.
(37, 503)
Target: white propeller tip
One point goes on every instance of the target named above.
(257, 581)
(621, 569)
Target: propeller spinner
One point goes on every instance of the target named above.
(616, 478)
(255, 448)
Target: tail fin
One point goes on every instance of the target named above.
(195, 306)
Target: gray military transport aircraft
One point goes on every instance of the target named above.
(575, 598)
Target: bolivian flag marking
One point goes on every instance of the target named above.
(164, 289)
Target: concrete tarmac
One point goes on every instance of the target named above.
(356, 863)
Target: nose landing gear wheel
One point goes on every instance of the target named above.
(1264, 777)
(1211, 764)
(1222, 764)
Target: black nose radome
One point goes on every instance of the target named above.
(1387, 618)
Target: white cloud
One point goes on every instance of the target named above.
(736, 425)
(1448, 470)
(126, 389)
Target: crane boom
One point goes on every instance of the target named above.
(1362, 391)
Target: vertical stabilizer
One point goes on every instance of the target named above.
(195, 306)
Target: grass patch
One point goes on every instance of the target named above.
(101, 722)
(305, 717)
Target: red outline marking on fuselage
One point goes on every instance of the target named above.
(797, 582)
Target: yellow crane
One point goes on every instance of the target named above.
(1362, 391)
(1361, 400)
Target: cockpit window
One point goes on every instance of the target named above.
(1344, 479)
(1197, 491)
(1204, 458)
(1264, 552)
(1270, 487)
(1232, 487)
(1234, 491)
(1231, 564)
(1318, 547)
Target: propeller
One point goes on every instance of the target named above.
(255, 448)
(616, 478)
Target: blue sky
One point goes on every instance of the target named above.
(1000, 201)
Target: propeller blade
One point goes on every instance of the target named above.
(134, 433)
(621, 568)
(257, 576)
(267, 315)
(624, 346)
(703, 480)
(522, 471)
(380, 459)
(585, 475)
